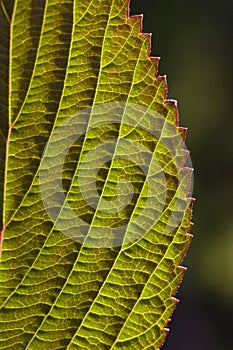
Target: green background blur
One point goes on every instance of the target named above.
(195, 40)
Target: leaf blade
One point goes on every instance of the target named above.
(43, 273)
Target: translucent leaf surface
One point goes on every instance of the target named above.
(71, 68)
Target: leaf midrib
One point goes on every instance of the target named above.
(9, 120)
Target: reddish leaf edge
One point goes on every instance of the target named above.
(183, 130)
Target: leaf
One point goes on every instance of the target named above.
(72, 68)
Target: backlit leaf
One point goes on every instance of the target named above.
(79, 97)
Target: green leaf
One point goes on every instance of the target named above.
(81, 68)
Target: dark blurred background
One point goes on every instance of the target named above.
(195, 41)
